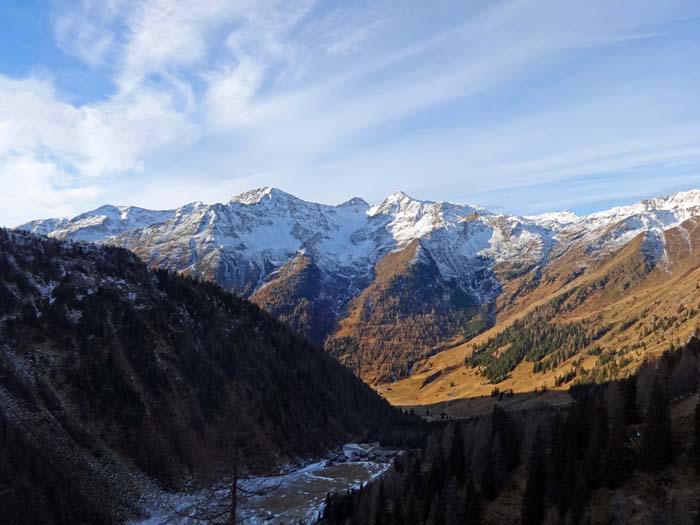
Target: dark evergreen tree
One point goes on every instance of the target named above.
(380, 511)
(568, 480)
(506, 432)
(629, 396)
(411, 513)
(532, 510)
(618, 459)
(457, 460)
(656, 449)
(472, 499)
(597, 422)
(694, 452)
(556, 459)
(454, 503)
(436, 516)
(435, 481)
(579, 498)
(494, 472)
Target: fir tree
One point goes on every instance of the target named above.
(454, 504)
(579, 498)
(380, 511)
(598, 432)
(457, 460)
(656, 449)
(494, 471)
(629, 395)
(619, 458)
(472, 499)
(695, 447)
(532, 511)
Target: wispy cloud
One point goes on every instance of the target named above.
(449, 100)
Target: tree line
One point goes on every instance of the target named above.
(555, 460)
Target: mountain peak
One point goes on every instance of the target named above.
(554, 218)
(355, 202)
(261, 194)
(401, 196)
(680, 200)
(394, 203)
(685, 202)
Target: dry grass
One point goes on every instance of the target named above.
(631, 303)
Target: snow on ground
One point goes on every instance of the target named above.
(247, 240)
(296, 495)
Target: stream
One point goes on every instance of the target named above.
(297, 495)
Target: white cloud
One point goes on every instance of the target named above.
(247, 92)
(33, 188)
(47, 145)
(91, 140)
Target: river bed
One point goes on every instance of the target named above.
(297, 495)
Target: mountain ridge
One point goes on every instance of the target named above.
(309, 264)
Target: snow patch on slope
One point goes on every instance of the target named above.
(244, 242)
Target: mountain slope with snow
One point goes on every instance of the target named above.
(317, 266)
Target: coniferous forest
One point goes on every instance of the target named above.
(552, 465)
(113, 376)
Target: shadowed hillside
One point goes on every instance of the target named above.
(114, 376)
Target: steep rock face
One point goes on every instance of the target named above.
(317, 266)
(115, 377)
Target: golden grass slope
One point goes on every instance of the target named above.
(647, 302)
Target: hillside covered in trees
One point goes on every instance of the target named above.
(626, 451)
(115, 378)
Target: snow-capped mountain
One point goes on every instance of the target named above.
(325, 269)
(98, 225)
(258, 231)
(612, 229)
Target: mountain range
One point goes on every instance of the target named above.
(117, 381)
(387, 288)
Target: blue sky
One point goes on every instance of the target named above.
(521, 106)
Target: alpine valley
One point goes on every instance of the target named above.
(431, 301)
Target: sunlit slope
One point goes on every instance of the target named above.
(623, 308)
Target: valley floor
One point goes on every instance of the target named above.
(468, 407)
(296, 496)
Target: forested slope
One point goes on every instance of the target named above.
(626, 451)
(113, 375)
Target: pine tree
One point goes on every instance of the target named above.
(494, 471)
(556, 459)
(411, 513)
(618, 459)
(454, 504)
(472, 501)
(598, 438)
(568, 480)
(380, 511)
(504, 429)
(435, 481)
(457, 459)
(532, 511)
(629, 395)
(656, 449)
(695, 447)
(580, 498)
(436, 516)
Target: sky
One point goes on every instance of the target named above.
(520, 106)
